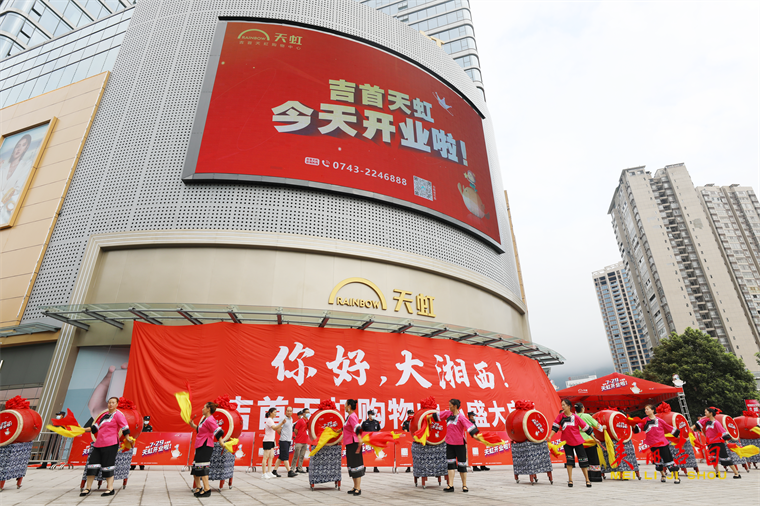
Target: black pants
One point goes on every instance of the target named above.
(456, 457)
(202, 460)
(102, 459)
(663, 458)
(580, 451)
(354, 461)
(719, 450)
(594, 466)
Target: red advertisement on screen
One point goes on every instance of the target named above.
(298, 106)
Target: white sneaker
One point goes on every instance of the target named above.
(265, 476)
(271, 475)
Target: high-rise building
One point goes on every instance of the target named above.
(27, 23)
(449, 22)
(677, 268)
(734, 215)
(626, 332)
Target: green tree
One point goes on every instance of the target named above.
(712, 376)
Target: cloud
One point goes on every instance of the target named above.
(580, 91)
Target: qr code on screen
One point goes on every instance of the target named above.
(423, 188)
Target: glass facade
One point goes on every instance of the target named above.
(27, 23)
(64, 60)
(448, 21)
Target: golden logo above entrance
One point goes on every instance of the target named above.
(422, 303)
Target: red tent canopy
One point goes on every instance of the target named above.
(620, 391)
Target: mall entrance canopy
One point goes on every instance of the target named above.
(84, 315)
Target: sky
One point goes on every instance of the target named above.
(579, 91)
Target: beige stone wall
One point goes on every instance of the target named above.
(23, 245)
(246, 269)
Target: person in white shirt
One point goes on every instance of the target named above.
(270, 430)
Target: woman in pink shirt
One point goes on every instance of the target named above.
(716, 436)
(571, 426)
(208, 431)
(457, 426)
(655, 429)
(106, 430)
(354, 458)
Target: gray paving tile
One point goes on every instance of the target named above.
(169, 486)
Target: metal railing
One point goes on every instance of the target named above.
(51, 449)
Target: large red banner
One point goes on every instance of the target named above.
(294, 105)
(265, 366)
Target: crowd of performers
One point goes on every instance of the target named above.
(578, 430)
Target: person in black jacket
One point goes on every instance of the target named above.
(146, 428)
(471, 417)
(371, 425)
(405, 428)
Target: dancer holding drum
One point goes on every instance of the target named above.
(107, 429)
(208, 431)
(571, 426)
(717, 436)
(352, 442)
(457, 425)
(655, 429)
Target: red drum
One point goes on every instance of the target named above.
(615, 421)
(729, 424)
(230, 421)
(677, 420)
(437, 429)
(19, 426)
(134, 420)
(326, 418)
(529, 425)
(745, 424)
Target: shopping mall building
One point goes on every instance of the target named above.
(315, 172)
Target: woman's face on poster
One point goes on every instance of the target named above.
(20, 149)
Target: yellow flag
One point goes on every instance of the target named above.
(602, 460)
(127, 444)
(185, 408)
(756, 430)
(610, 450)
(73, 431)
(326, 435)
(230, 444)
(746, 451)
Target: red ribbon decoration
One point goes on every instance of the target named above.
(663, 409)
(17, 402)
(751, 414)
(429, 403)
(717, 411)
(327, 404)
(223, 401)
(524, 405)
(125, 403)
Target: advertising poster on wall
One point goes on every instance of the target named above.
(99, 372)
(297, 106)
(20, 153)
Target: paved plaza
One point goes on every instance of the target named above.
(169, 486)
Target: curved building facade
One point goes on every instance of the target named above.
(147, 229)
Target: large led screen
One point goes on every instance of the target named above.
(297, 106)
